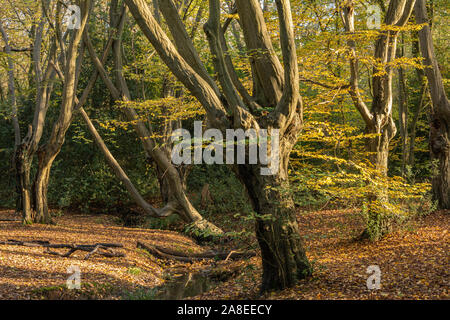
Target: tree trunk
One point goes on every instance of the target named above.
(440, 152)
(379, 119)
(440, 125)
(24, 199)
(42, 214)
(417, 113)
(26, 150)
(283, 254)
(378, 147)
(48, 152)
(282, 249)
(403, 110)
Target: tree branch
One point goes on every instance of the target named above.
(213, 32)
(181, 69)
(268, 71)
(349, 25)
(287, 105)
(183, 42)
(432, 71)
(11, 88)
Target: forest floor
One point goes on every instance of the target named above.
(414, 261)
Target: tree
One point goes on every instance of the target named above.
(177, 201)
(32, 202)
(276, 89)
(71, 62)
(378, 119)
(440, 124)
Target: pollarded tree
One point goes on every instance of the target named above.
(275, 90)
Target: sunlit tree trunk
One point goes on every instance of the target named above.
(378, 118)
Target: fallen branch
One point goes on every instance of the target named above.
(91, 248)
(221, 255)
(166, 253)
(91, 251)
(159, 254)
(33, 243)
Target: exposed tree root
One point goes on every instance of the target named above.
(91, 248)
(166, 253)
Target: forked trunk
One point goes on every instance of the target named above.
(440, 152)
(32, 197)
(283, 253)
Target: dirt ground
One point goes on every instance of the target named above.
(414, 261)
